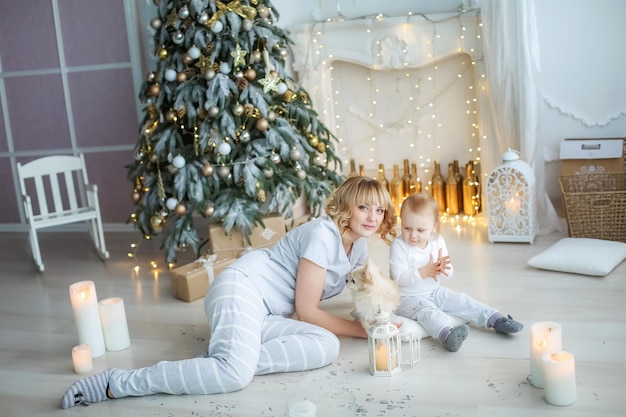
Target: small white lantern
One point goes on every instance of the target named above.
(511, 201)
(410, 350)
(383, 340)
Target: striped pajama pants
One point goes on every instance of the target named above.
(433, 311)
(246, 340)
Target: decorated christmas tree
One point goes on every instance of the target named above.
(227, 134)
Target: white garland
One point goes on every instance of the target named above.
(581, 117)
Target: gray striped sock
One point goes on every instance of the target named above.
(88, 390)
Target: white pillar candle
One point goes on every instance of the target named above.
(87, 316)
(114, 324)
(81, 358)
(545, 337)
(303, 408)
(559, 373)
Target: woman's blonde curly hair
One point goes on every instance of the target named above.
(361, 190)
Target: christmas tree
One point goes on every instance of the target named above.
(227, 134)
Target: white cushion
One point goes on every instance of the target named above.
(408, 327)
(584, 256)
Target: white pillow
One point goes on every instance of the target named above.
(409, 327)
(584, 256)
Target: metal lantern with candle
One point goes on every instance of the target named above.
(511, 201)
(383, 340)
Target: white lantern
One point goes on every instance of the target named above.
(410, 350)
(511, 201)
(383, 340)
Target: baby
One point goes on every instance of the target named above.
(419, 262)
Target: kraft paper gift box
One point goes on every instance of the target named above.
(264, 236)
(191, 282)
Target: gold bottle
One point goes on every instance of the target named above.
(438, 187)
(452, 195)
(396, 190)
(352, 169)
(470, 190)
(416, 183)
(459, 184)
(381, 177)
(477, 177)
(406, 180)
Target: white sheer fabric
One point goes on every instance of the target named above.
(512, 65)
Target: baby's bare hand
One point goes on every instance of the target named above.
(430, 270)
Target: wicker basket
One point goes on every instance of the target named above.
(595, 205)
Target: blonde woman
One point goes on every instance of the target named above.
(264, 311)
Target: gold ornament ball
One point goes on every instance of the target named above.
(171, 116)
(162, 53)
(214, 111)
(181, 77)
(275, 158)
(257, 56)
(250, 74)
(223, 171)
(187, 59)
(209, 210)
(313, 140)
(207, 170)
(157, 222)
(154, 90)
(263, 12)
(180, 209)
(321, 147)
(156, 23)
(262, 125)
(295, 154)
(237, 109)
(136, 197)
(153, 157)
(290, 96)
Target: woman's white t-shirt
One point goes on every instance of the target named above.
(273, 270)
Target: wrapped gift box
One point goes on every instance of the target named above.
(191, 282)
(264, 236)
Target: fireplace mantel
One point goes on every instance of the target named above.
(382, 44)
(385, 42)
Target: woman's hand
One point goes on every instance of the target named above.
(309, 288)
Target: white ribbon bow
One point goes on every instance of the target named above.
(207, 261)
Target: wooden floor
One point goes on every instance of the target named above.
(487, 377)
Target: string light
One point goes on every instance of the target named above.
(423, 94)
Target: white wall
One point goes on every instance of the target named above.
(582, 76)
(582, 85)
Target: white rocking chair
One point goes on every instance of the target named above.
(73, 199)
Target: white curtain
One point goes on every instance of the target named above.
(512, 66)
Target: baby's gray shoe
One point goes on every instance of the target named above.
(456, 337)
(507, 325)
